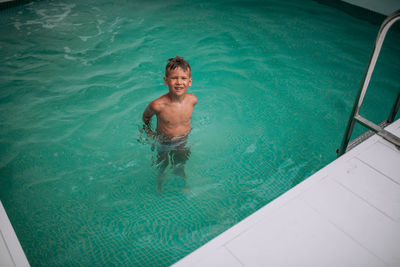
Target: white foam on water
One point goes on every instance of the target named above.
(250, 149)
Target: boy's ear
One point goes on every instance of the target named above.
(165, 81)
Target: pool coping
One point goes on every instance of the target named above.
(11, 253)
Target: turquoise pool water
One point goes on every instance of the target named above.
(275, 81)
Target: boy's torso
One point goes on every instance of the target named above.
(173, 118)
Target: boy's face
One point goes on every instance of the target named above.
(178, 81)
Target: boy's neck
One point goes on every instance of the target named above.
(175, 98)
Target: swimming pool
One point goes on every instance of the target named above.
(275, 82)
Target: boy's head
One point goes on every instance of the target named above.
(177, 62)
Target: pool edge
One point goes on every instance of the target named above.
(11, 250)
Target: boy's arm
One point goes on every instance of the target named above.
(194, 99)
(147, 114)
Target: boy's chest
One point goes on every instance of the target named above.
(176, 113)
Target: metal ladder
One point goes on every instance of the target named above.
(355, 116)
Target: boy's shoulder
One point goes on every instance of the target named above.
(192, 98)
(159, 102)
(191, 95)
(162, 99)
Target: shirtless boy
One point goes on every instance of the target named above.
(173, 111)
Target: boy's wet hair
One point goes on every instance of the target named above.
(176, 62)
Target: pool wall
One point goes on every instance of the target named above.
(372, 11)
(385, 7)
(4, 4)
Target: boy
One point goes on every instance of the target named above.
(173, 111)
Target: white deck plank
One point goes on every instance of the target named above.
(384, 158)
(292, 237)
(362, 222)
(220, 257)
(368, 184)
(11, 253)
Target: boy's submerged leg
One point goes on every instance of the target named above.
(162, 164)
(179, 158)
(175, 153)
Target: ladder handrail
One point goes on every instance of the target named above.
(387, 23)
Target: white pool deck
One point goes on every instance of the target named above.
(346, 214)
(11, 253)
